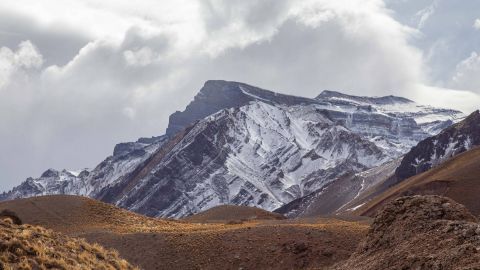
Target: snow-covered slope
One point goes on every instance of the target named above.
(240, 144)
(344, 194)
(126, 157)
(394, 123)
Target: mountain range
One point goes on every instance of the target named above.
(243, 145)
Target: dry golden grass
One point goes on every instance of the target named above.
(32, 247)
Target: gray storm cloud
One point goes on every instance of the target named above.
(123, 79)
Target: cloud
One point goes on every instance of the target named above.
(467, 73)
(58, 42)
(476, 24)
(425, 14)
(463, 100)
(16, 64)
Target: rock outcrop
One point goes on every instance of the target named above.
(419, 232)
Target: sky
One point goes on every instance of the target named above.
(79, 76)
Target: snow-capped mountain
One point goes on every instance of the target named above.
(86, 182)
(240, 144)
(258, 155)
(351, 191)
(391, 122)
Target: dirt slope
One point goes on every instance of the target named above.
(419, 232)
(169, 244)
(457, 178)
(76, 215)
(233, 213)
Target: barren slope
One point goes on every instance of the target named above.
(233, 213)
(458, 178)
(168, 244)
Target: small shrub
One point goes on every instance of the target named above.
(10, 215)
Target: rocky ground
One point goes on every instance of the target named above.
(419, 232)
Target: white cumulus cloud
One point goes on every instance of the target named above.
(15, 63)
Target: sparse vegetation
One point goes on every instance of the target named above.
(11, 216)
(29, 247)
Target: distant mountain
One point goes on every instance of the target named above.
(126, 157)
(239, 144)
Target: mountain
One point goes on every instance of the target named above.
(434, 150)
(218, 95)
(257, 155)
(348, 193)
(344, 194)
(239, 144)
(126, 157)
(457, 178)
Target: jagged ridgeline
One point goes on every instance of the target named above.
(239, 144)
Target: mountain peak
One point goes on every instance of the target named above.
(50, 173)
(474, 117)
(216, 95)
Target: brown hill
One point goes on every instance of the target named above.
(169, 244)
(33, 247)
(75, 214)
(419, 232)
(233, 213)
(457, 178)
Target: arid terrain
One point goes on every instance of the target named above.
(33, 247)
(414, 232)
(419, 232)
(457, 178)
(148, 243)
(233, 214)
